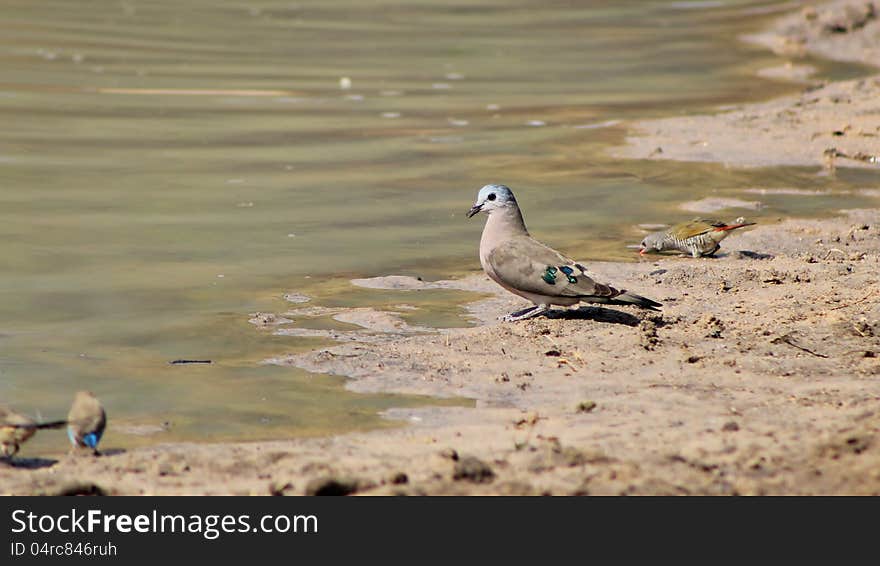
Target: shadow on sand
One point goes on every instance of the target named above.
(29, 463)
(598, 314)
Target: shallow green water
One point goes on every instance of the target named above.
(167, 170)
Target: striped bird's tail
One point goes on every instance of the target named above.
(38, 426)
(729, 227)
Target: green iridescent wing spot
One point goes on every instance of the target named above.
(572, 279)
(549, 275)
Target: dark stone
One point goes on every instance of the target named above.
(473, 470)
(586, 406)
(331, 486)
(399, 478)
(86, 488)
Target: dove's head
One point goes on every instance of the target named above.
(491, 198)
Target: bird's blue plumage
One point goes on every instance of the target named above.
(90, 440)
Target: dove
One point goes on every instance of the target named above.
(526, 267)
(16, 429)
(698, 237)
(86, 421)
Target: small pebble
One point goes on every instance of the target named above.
(585, 406)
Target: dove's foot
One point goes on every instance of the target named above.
(525, 313)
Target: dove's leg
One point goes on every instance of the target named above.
(525, 313)
(507, 317)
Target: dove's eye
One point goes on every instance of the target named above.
(491, 196)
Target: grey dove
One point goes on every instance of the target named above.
(86, 421)
(526, 267)
(16, 429)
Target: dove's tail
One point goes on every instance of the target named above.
(627, 298)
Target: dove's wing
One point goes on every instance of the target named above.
(527, 265)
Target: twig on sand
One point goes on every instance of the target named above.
(787, 339)
(862, 300)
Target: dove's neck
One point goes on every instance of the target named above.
(502, 224)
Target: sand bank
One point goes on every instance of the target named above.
(826, 125)
(759, 376)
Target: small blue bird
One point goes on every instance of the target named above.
(86, 421)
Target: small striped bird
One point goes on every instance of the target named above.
(86, 421)
(697, 237)
(16, 429)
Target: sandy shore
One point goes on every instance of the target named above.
(760, 376)
(828, 125)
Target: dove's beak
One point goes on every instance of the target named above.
(474, 209)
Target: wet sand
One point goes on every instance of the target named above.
(760, 376)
